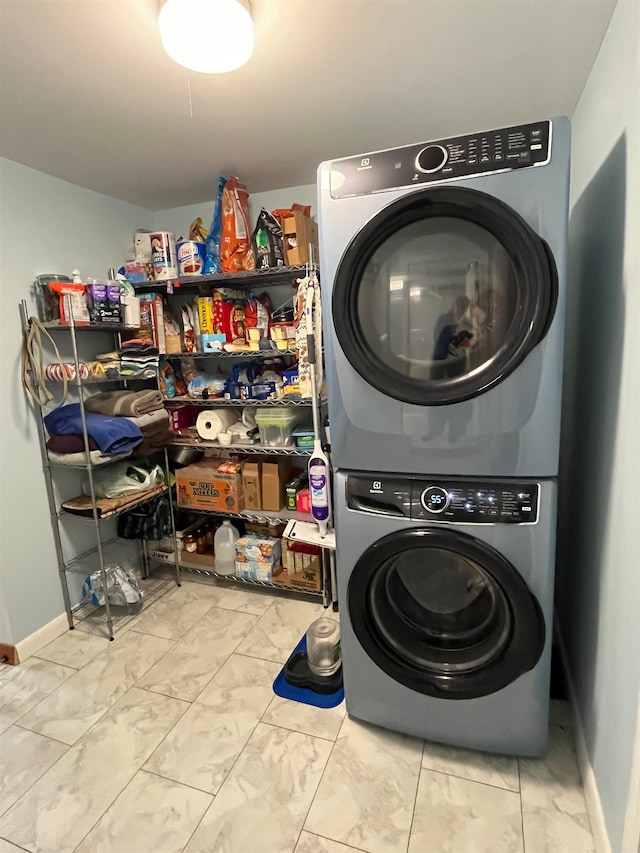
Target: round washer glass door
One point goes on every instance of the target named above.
(441, 295)
(444, 613)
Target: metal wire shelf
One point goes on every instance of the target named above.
(243, 448)
(263, 353)
(270, 277)
(211, 573)
(262, 517)
(213, 402)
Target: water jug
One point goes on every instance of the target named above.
(224, 545)
(323, 646)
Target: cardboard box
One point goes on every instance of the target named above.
(252, 571)
(274, 478)
(301, 570)
(265, 550)
(251, 485)
(201, 486)
(297, 232)
(152, 319)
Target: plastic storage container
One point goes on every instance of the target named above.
(224, 546)
(276, 426)
(323, 646)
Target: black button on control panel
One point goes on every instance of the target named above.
(515, 147)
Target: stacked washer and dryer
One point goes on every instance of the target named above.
(443, 271)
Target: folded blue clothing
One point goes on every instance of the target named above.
(112, 435)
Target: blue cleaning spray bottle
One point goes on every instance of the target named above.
(319, 470)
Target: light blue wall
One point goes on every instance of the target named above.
(598, 569)
(46, 225)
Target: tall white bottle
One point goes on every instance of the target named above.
(224, 546)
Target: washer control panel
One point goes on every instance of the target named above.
(454, 500)
(456, 157)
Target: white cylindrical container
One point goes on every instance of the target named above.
(224, 546)
(163, 255)
(323, 646)
(131, 306)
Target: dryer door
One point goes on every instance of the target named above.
(444, 613)
(441, 295)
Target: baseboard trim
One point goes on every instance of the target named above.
(32, 644)
(589, 785)
(8, 655)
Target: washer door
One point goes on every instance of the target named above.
(441, 295)
(444, 614)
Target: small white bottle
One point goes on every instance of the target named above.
(224, 546)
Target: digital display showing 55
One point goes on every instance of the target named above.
(435, 499)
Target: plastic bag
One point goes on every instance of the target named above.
(267, 241)
(212, 256)
(235, 248)
(204, 387)
(123, 589)
(124, 478)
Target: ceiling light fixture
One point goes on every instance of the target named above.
(210, 36)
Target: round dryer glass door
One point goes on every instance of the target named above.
(444, 613)
(442, 295)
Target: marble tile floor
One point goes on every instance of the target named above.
(170, 739)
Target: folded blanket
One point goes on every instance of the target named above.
(160, 416)
(95, 457)
(126, 403)
(69, 444)
(112, 435)
(157, 428)
(154, 443)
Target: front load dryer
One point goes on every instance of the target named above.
(446, 593)
(443, 284)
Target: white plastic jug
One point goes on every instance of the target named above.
(224, 545)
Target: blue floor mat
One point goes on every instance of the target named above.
(303, 694)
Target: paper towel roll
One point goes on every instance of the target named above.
(212, 421)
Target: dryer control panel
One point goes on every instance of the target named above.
(452, 500)
(443, 159)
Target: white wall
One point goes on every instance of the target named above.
(46, 225)
(598, 597)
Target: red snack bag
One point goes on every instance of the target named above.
(235, 246)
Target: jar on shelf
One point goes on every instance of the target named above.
(190, 543)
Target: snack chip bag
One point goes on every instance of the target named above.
(235, 248)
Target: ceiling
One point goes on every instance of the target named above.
(88, 95)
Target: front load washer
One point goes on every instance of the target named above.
(446, 592)
(443, 277)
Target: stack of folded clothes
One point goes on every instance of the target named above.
(142, 408)
(113, 437)
(138, 358)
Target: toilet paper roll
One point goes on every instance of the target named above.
(212, 421)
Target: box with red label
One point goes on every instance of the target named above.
(303, 501)
(181, 416)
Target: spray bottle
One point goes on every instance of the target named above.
(319, 471)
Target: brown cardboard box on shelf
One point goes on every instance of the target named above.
(274, 477)
(297, 232)
(197, 561)
(251, 486)
(201, 486)
(300, 570)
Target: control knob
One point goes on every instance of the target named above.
(435, 499)
(431, 158)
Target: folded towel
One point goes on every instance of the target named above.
(160, 416)
(112, 435)
(125, 403)
(95, 457)
(69, 444)
(154, 443)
